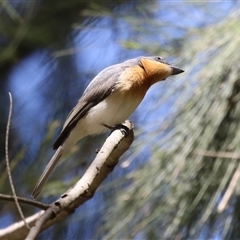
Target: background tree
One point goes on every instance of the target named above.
(187, 129)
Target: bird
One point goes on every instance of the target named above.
(109, 99)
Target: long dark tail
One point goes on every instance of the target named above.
(48, 170)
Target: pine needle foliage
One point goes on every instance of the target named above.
(177, 193)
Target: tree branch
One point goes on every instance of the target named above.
(107, 158)
(218, 154)
(25, 201)
(229, 192)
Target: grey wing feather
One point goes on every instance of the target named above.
(100, 87)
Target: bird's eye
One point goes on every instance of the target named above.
(159, 59)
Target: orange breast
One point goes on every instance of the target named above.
(133, 81)
(138, 79)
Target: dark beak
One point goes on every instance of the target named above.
(176, 70)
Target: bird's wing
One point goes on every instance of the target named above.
(100, 87)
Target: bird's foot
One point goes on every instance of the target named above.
(124, 130)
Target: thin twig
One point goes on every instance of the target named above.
(33, 203)
(231, 187)
(7, 162)
(233, 155)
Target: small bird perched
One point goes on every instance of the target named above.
(110, 98)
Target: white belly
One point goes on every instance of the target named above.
(114, 110)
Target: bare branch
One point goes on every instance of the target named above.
(231, 187)
(25, 201)
(219, 154)
(105, 161)
(18, 230)
(7, 162)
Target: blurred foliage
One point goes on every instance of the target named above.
(176, 194)
(176, 173)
